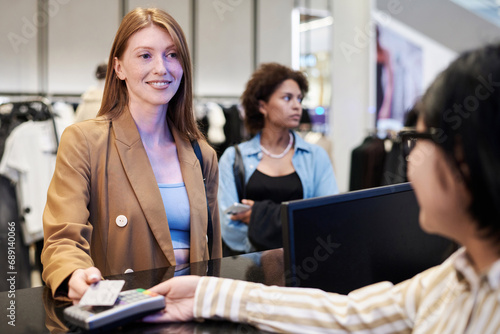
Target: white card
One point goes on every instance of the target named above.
(102, 293)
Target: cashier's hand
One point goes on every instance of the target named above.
(179, 299)
(244, 216)
(80, 281)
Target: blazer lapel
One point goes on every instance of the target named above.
(140, 175)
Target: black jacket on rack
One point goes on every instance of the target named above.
(367, 164)
(233, 129)
(395, 166)
(10, 236)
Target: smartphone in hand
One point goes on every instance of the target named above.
(237, 208)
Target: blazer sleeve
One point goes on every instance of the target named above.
(66, 226)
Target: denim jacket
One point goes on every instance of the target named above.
(311, 162)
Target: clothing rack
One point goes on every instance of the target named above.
(15, 112)
(377, 161)
(225, 101)
(21, 109)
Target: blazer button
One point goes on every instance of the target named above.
(121, 220)
(128, 271)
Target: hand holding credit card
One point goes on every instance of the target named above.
(102, 293)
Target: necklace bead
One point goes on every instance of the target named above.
(282, 154)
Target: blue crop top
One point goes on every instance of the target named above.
(176, 203)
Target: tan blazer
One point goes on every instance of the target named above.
(103, 179)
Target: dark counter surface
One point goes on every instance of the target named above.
(37, 312)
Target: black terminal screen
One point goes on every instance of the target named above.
(343, 242)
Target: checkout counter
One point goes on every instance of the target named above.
(37, 312)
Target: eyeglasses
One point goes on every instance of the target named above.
(410, 136)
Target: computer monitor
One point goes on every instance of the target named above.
(343, 242)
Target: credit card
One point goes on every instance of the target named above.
(102, 293)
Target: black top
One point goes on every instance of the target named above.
(275, 188)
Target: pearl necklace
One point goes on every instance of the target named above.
(282, 154)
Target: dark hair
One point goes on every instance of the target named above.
(464, 104)
(263, 83)
(411, 117)
(100, 72)
(115, 97)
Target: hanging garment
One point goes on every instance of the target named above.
(216, 121)
(29, 162)
(10, 236)
(367, 164)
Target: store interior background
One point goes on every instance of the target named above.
(51, 48)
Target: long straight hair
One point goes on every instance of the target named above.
(116, 98)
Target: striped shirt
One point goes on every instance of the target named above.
(449, 298)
